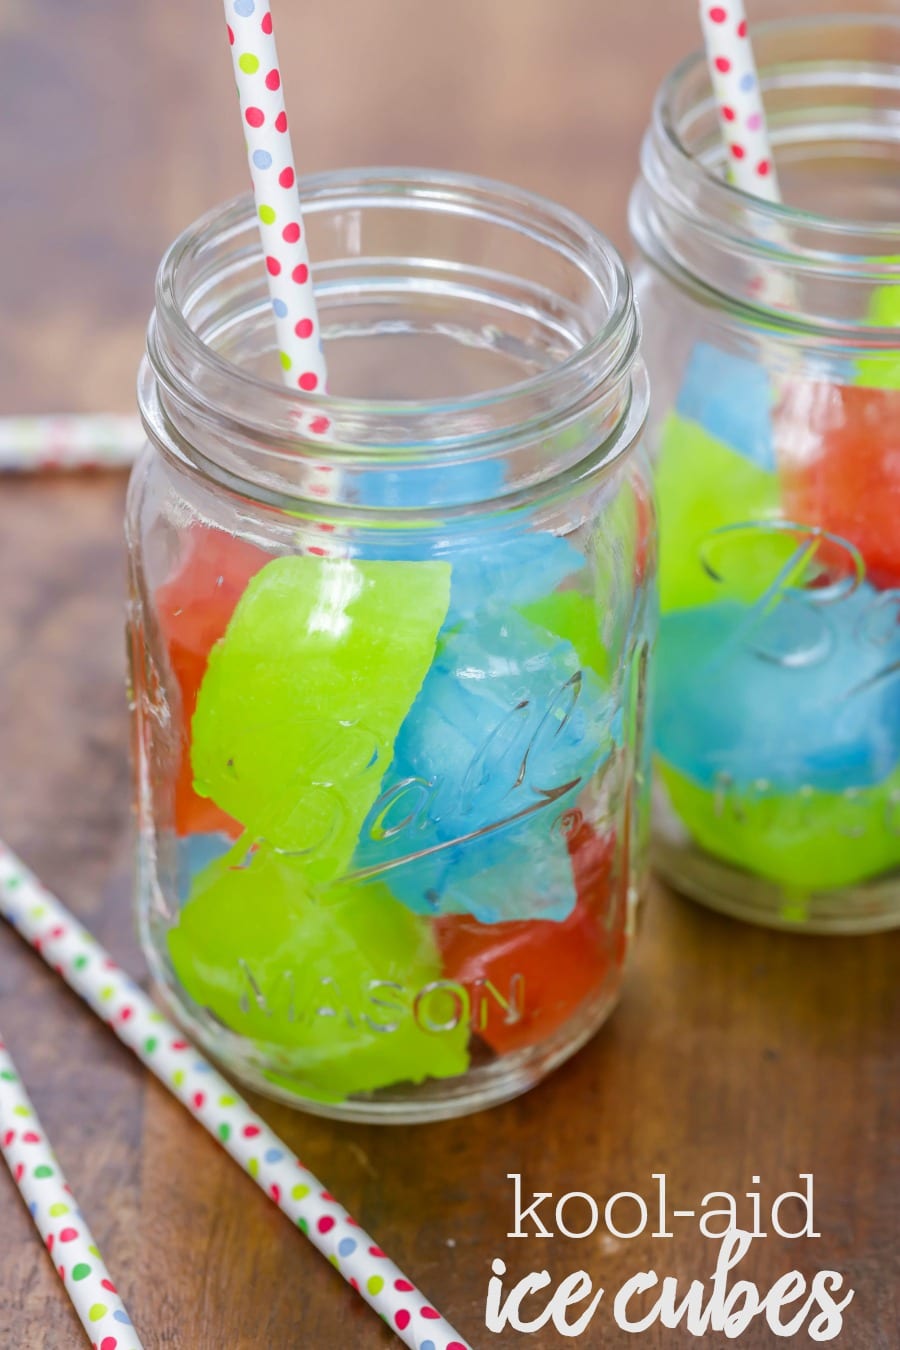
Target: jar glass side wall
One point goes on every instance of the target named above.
(388, 735)
(772, 337)
(777, 709)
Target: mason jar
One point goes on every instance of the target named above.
(773, 346)
(389, 647)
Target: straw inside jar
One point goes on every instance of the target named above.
(742, 122)
(735, 82)
(270, 155)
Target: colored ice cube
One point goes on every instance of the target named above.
(506, 732)
(336, 985)
(705, 490)
(489, 572)
(572, 615)
(195, 852)
(193, 608)
(304, 695)
(839, 452)
(532, 976)
(418, 485)
(519, 870)
(803, 694)
(882, 371)
(805, 841)
(510, 569)
(731, 399)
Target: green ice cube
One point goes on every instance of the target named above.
(572, 616)
(337, 987)
(882, 372)
(703, 488)
(304, 695)
(815, 841)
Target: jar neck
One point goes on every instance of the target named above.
(501, 328)
(821, 265)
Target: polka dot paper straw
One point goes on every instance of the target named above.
(258, 75)
(93, 441)
(69, 949)
(745, 134)
(57, 1218)
(736, 85)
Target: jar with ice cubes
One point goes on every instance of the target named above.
(772, 337)
(389, 648)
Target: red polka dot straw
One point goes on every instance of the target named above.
(55, 1213)
(67, 947)
(735, 82)
(251, 36)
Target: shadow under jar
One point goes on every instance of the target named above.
(773, 345)
(389, 647)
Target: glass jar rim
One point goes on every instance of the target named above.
(719, 193)
(616, 339)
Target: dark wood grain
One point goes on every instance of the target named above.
(736, 1052)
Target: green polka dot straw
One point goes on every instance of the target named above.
(57, 1218)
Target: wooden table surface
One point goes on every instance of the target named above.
(736, 1052)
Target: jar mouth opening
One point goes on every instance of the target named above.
(721, 196)
(597, 363)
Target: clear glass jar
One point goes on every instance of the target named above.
(389, 647)
(773, 346)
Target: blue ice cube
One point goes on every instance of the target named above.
(418, 485)
(507, 570)
(731, 398)
(807, 693)
(195, 853)
(490, 572)
(503, 737)
(521, 870)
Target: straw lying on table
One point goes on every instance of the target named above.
(72, 441)
(39, 1177)
(70, 950)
